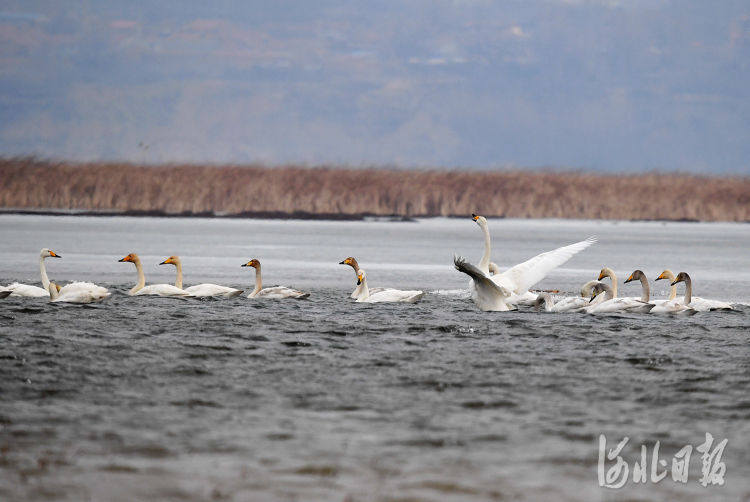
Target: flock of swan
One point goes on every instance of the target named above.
(491, 289)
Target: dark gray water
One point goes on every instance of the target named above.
(324, 399)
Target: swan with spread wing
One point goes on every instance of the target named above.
(502, 291)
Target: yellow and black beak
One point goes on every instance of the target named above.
(661, 276)
(245, 264)
(345, 262)
(474, 217)
(602, 275)
(54, 255)
(359, 279)
(166, 262)
(127, 258)
(675, 282)
(629, 279)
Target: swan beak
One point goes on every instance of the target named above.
(592, 298)
(166, 262)
(601, 276)
(359, 279)
(54, 255)
(661, 276)
(127, 258)
(474, 217)
(245, 264)
(629, 279)
(676, 281)
(345, 262)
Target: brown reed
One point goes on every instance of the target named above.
(32, 184)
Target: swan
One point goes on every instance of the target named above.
(17, 289)
(154, 289)
(386, 295)
(610, 304)
(521, 277)
(274, 293)
(567, 304)
(78, 295)
(200, 290)
(699, 304)
(660, 306)
(608, 272)
(352, 262)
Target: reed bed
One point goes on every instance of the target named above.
(32, 184)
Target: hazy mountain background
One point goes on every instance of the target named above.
(605, 85)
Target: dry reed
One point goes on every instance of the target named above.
(32, 184)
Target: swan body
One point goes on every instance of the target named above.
(566, 304)
(698, 304)
(660, 306)
(487, 294)
(274, 293)
(27, 290)
(352, 262)
(387, 295)
(140, 289)
(608, 304)
(78, 294)
(200, 290)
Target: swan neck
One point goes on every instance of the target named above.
(365, 291)
(141, 276)
(613, 278)
(258, 282)
(178, 282)
(43, 273)
(672, 290)
(646, 291)
(484, 262)
(688, 291)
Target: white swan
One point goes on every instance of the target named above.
(699, 304)
(79, 295)
(610, 304)
(358, 290)
(512, 286)
(274, 293)
(566, 304)
(155, 289)
(27, 290)
(200, 290)
(386, 295)
(660, 306)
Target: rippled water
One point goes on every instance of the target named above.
(325, 399)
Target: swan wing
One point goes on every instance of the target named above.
(394, 296)
(621, 305)
(161, 290)
(570, 304)
(526, 274)
(81, 296)
(27, 290)
(85, 287)
(207, 289)
(704, 304)
(279, 292)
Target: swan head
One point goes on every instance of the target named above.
(360, 276)
(586, 288)
(252, 263)
(598, 289)
(481, 220)
(606, 272)
(635, 276)
(351, 262)
(47, 253)
(543, 299)
(667, 274)
(172, 260)
(132, 257)
(681, 277)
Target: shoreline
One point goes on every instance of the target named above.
(305, 216)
